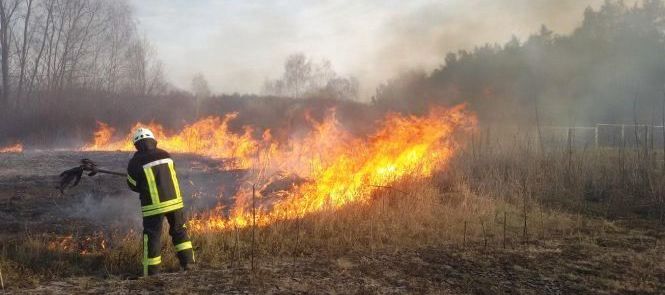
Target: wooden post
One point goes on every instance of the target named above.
(236, 252)
(253, 222)
(504, 229)
(464, 237)
(482, 225)
(526, 239)
(540, 134)
(662, 198)
(663, 132)
(596, 136)
(571, 139)
(651, 140)
(646, 137)
(473, 145)
(542, 222)
(295, 248)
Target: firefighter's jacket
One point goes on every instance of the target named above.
(151, 173)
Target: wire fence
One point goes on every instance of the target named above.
(605, 135)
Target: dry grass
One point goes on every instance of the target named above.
(606, 182)
(490, 197)
(410, 215)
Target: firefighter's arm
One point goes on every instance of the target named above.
(132, 177)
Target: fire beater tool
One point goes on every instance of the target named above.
(74, 175)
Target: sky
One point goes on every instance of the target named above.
(238, 45)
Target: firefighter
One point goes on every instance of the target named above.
(151, 173)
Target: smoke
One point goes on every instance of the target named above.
(239, 45)
(588, 66)
(607, 69)
(418, 38)
(119, 210)
(107, 202)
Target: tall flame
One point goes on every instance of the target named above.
(343, 169)
(337, 168)
(208, 137)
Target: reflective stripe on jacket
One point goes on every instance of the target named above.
(152, 174)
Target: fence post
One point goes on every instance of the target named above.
(570, 138)
(651, 136)
(464, 236)
(623, 134)
(504, 229)
(595, 137)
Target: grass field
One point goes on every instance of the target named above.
(499, 217)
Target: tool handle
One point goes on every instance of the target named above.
(111, 172)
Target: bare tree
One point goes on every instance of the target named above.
(45, 33)
(297, 73)
(143, 70)
(343, 88)
(49, 48)
(322, 74)
(7, 9)
(303, 76)
(24, 50)
(200, 90)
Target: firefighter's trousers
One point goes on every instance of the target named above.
(152, 231)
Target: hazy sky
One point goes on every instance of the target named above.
(237, 45)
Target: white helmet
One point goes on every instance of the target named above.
(142, 133)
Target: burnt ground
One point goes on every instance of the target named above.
(555, 267)
(628, 259)
(29, 200)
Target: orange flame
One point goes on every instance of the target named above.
(208, 137)
(343, 169)
(83, 245)
(336, 167)
(15, 148)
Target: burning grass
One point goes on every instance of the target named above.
(14, 148)
(412, 214)
(410, 186)
(475, 233)
(339, 169)
(208, 137)
(474, 213)
(342, 170)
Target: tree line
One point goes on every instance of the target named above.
(610, 69)
(52, 48)
(304, 77)
(69, 63)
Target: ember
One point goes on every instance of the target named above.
(89, 244)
